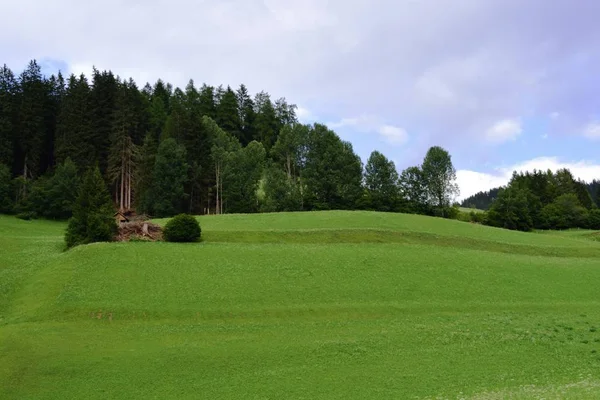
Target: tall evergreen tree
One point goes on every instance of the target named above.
(247, 115)
(8, 112)
(75, 131)
(228, 116)
(266, 125)
(92, 219)
(102, 103)
(31, 118)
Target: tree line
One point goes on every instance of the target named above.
(162, 151)
(541, 200)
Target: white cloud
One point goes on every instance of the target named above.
(554, 115)
(392, 134)
(592, 131)
(504, 130)
(472, 182)
(305, 115)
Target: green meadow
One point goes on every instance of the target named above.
(324, 305)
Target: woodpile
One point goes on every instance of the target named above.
(139, 230)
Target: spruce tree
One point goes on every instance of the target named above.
(102, 102)
(266, 125)
(74, 134)
(31, 117)
(228, 116)
(8, 108)
(92, 219)
(247, 115)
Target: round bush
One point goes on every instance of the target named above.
(182, 228)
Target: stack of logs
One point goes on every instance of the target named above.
(139, 230)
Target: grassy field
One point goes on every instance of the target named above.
(330, 305)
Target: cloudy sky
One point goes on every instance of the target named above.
(501, 84)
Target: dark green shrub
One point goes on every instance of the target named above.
(182, 228)
(27, 215)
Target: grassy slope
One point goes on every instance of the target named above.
(294, 306)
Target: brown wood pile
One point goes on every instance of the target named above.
(139, 230)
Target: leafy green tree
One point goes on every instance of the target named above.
(6, 203)
(511, 210)
(92, 219)
(565, 212)
(332, 173)
(223, 147)
(594, 219)
(414, 189)
(439, 176)
(381, 181)
(169, 178)
(243, 178)
(279, 192)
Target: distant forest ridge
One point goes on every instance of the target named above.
(483, 200)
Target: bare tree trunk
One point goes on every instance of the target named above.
(122, 183)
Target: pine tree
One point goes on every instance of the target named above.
(247, 115)
(144, 170)
(102, 102)
(266, 126)
(92, 219)
(31, 117)
(74, 127)
(8, 108)
(228, 116)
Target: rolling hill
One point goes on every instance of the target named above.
(324, 305)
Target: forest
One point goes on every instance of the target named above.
(162, 150)
(201, 150)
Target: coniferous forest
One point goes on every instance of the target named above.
(162, 150)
